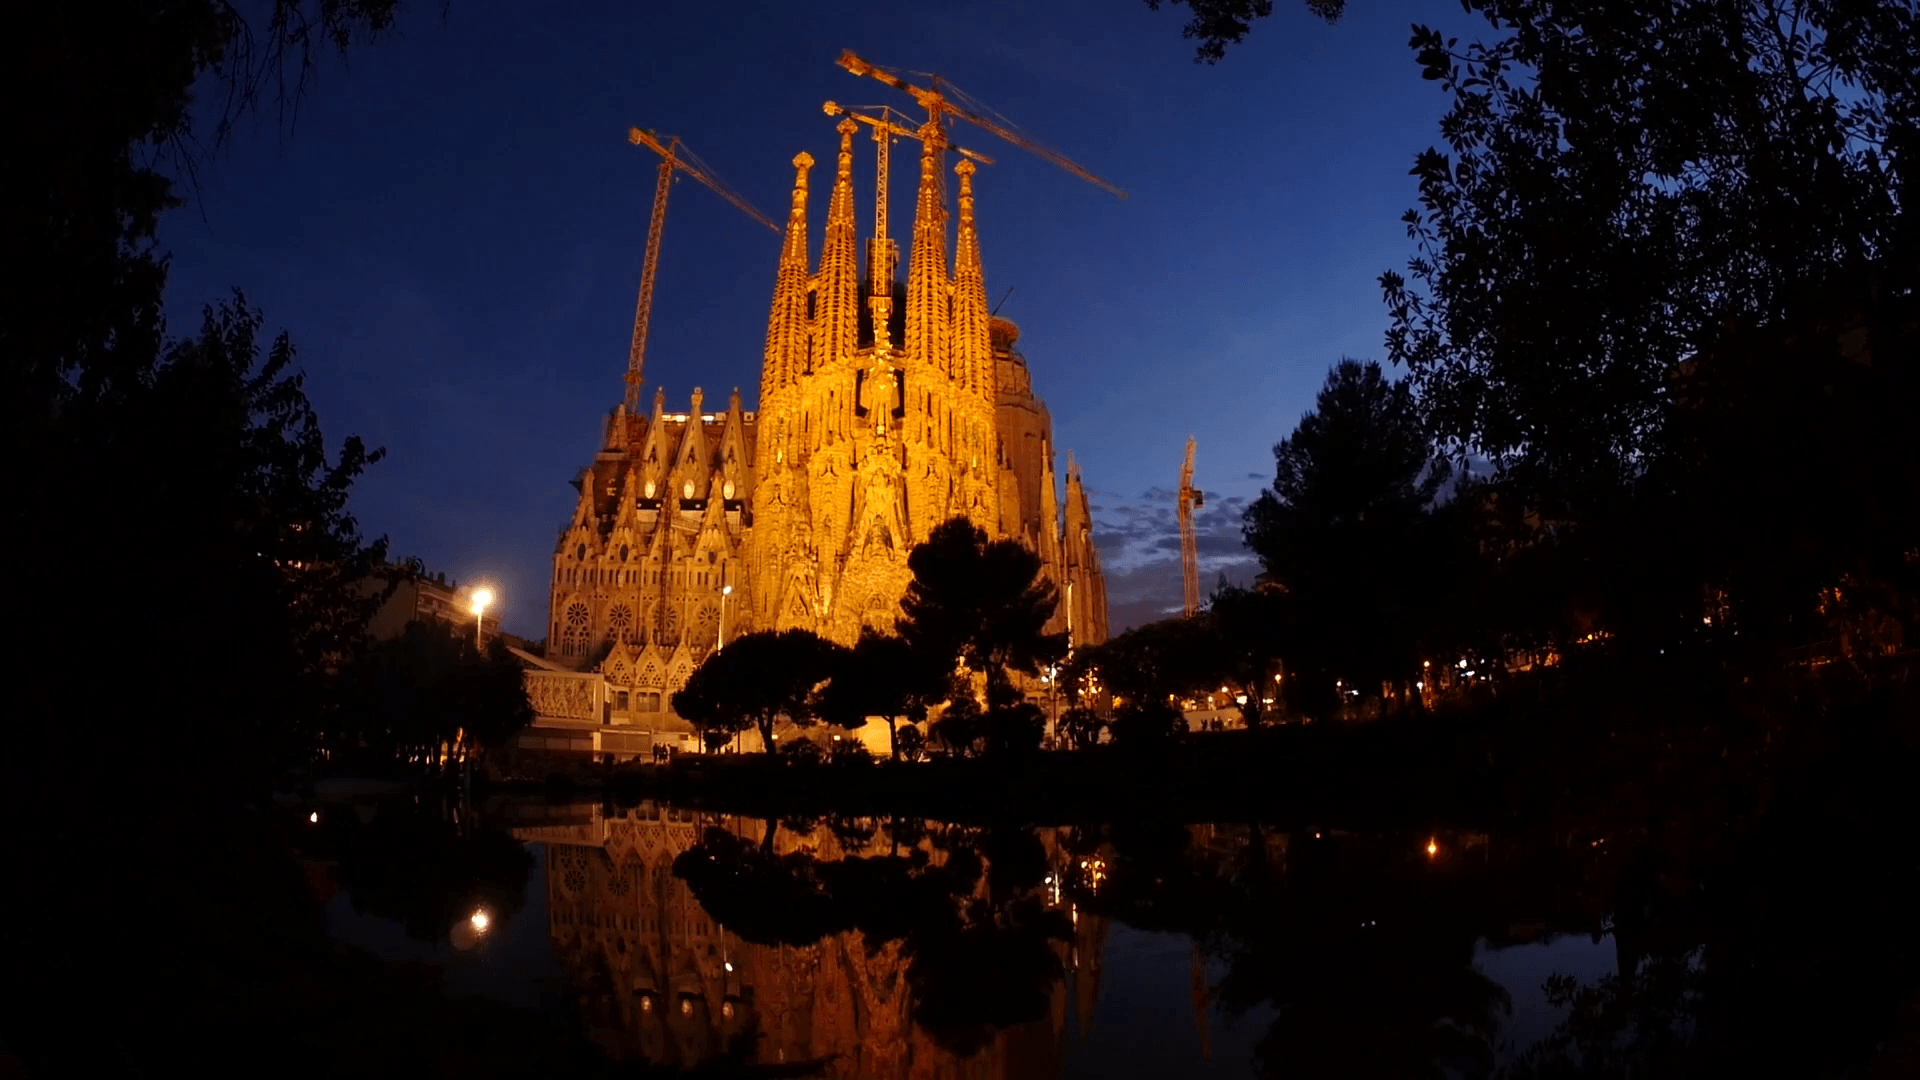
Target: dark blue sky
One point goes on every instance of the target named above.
(452, 234)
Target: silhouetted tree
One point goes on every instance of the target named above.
(1339, 531)
(429, 688)
(1217, 24)
(1248, 627)
(756, 679)
(1655, 233)
(882, 676)
(983, 603)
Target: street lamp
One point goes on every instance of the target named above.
(720, 636)
(481, 598)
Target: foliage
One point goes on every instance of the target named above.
(429, 688)
(1342, 532)
(1082, 727)
(1665, 283)
(909, 744)
(850, 753)
(209, 456)
(981, 602)
(882, 676)
(1217, 24)
(1148, 724)
(756, 679)
(801, 751)
(961, 726)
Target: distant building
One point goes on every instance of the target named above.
(425, 598)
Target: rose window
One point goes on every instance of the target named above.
(620, 624)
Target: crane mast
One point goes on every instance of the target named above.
(674, 158)
(881, 255)
(1190, 498)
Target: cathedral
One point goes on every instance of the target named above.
(883, 411)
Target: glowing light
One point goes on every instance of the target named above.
(726, 1009)
(314, 817)
(728, 965)
(482, 597)
(480, 920)
(1433, 848)
(686, 1004)
(646, 1003)
(726, 590)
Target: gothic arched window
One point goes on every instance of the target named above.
(574, 639)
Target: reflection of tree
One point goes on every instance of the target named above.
(410, 864)
(1366, 954)
(976, 963)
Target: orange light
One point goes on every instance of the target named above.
(1432, 848)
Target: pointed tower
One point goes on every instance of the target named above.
(1085, 593)
(927, 286)
(838, 290)
(972, 344)
(787, 323)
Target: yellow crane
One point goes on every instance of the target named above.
(944, 99)
(674, 158)
(1191, 499)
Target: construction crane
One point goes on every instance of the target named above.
(674, 157)
(945, 99)
(1191, 499)
(879, 254)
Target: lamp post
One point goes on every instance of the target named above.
(481, 598)
(720, 636)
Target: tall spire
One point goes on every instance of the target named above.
(927, 316)
(972, 344)
(839, 262)
(787, 323)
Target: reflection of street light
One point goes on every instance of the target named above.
(482, 597)
(720, 638)
(480, 920)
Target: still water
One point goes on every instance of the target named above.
(877, 947)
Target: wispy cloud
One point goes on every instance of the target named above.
(1139, 540)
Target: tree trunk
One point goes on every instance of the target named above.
(893, 739)
(765, 724)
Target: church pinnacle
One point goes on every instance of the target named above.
(787, 322)
(839, 282)
(972, 343)
(927, 285)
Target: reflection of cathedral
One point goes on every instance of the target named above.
(696, 525)
(657, 979)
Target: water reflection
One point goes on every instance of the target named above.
(892, 948)
(898, 947)
(862, 948)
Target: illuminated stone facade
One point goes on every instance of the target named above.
(694, 526)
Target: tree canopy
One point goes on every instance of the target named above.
(757, 679)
